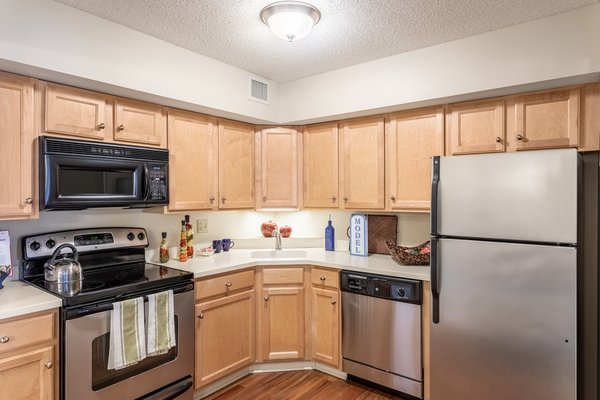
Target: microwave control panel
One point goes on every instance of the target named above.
(157, 192)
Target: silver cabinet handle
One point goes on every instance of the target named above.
(498, 139)
(29, 200)
(49, 365)
(101, 126)
(322, 278)
(4, 339)
(200, 316)
(266, 298)
(228, 284)
(333, 301)
(519, 137)
(121, 127)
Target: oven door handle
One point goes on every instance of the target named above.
(167, 394)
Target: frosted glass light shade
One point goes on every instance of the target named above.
(290, 20)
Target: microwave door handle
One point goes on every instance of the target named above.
(147, 182)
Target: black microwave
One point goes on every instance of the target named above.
(79, 174)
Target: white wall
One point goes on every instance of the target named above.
(563, 49)
(50, 40)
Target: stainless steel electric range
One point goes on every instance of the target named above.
(114, 269)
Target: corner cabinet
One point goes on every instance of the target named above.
(412, 139)
(362, 168)
(278, 167)
(18, 150)
(28, 357)
(320, 166)
(236, 165)
(192, 161)
(224, 325)
(326, 316)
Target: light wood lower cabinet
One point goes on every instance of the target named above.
(325, 326)
(28, 357)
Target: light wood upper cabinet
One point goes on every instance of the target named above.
(192, 161)
(412, 139)
(236, 165)
(362, 164)
(77, 112)
(320, 166)
(476, 127)
(547, 120)
(278, 166)
(17, 152)
(140, 123)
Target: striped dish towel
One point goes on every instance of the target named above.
(127, 336)
(161, 323)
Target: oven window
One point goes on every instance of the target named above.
(78, 181)
(103, 377)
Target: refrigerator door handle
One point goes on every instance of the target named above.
(435, 290)
(435, 182)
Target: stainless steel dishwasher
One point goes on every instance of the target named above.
(381, 331)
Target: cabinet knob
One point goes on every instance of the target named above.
(266, 298)
(102, 126)
(228, 284)
(29, 200)
(345, 199)
(519, 137)
(223, 199)
(212, 199)
(49, 365)
(498, 139)
(121, 127)
(4, 339)
(393, 198)
(333, 301)
(264, 198)
(200, 316)
(322, 278)
(333, 199)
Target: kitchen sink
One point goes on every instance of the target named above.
(278, 253)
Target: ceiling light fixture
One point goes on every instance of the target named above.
(290, 20)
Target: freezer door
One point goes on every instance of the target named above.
(528, 196)
(507, 322)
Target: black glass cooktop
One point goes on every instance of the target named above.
(115, 282)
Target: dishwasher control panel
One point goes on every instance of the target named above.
(385, 287)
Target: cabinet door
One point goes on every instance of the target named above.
(477, 127)
(236, 165)
(321, 166)
(326, 326)
(17, 149)
(412, 138)
(277, 167)
(140, 123)
(77, 112)
(547, 120)
(283, 323)
(362, 164)
(192, 161)
(224, 336)
(28, 375)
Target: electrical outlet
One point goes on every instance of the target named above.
(202, 226)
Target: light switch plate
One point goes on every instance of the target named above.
(202, 226)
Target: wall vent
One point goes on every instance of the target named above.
(259, 91)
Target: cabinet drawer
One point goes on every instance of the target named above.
(26, 332)
(322, 277)
(224, 284)
(275, 276)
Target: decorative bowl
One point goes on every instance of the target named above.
(416, 255)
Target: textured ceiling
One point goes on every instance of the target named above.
(350, 31)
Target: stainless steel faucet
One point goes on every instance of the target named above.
(277, 237)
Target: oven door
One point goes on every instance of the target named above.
(77, 182)
(86, 341)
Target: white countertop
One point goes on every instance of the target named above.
(241, 258)
(19, 298)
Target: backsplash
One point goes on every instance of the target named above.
(306, 224)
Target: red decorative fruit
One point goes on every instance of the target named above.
(267, 228)
(285, 231)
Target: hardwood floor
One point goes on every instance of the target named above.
(297, 385)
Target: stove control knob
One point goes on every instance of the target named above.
(141, 236)
(35, 246)
(50, 243)
(130, 236)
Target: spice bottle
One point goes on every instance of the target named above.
(164, 249)
(189, 237)
(183, 243)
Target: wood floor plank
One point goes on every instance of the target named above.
(297, 385)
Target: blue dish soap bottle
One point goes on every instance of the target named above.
(329, 236)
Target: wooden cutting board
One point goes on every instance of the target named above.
(381, 228)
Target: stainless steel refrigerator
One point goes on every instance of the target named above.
(504, 276)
